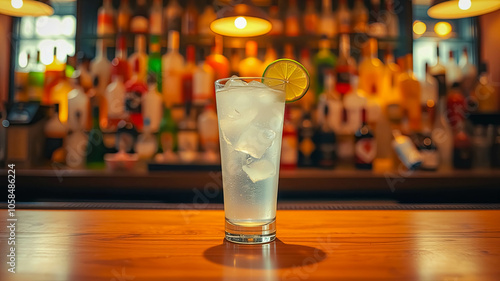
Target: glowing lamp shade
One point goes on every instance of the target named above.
(442, 28)
(20, 8)
(454, 9)
(241, 20)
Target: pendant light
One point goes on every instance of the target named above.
(20, 8)
(454, 9)
(242, 19)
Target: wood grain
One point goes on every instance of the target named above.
(125, 245)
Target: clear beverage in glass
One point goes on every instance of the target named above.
(250, 116)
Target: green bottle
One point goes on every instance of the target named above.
(154, 60)
(95, 147)
(323, 61)
(167, 135)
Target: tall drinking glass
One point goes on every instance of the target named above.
(250, 127)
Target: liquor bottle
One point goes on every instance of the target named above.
(439, 72)
(323, 61)
(135, 89)
(188, 74)
(345, 66)
(206, 18)
(106, 19)
(126, 136)
(326, 141)
(442, 135)
(187, 136)
(311, 19)
(462, 148)
(190, 19)
(453, 72)
(251, 66)
(140, 22)
(172, 67)
(139, 57)
(276, 22)
(327, 21)
(289, 147)
(203, 82)
(353, 104)
(218, 62)
(307, 147)
(495, 148)
(146, 145)
(167, 136)
(76, 145)
(456, 105)
(484, 93)
(469, 73)
(209, 133)
(115, 91)
(391, 20)
(78, 104)
(155, 59)
(406, 151)
(95, 147)
(371, 70)
(97, 99)
(124, 16)
(289, 52)
(365, 146)
(426, 145)
(269, 57)
(100, 67)
(390, 94)
(344, 17)
(359, 17)
(430, 90)
(120, 64)
(384, 161)
(410, 91)
(376, 27)
(481, 147)
(152, 105)
(307, 101)
(292, 26)
(54, 132)
(155, 18)
(57, 87)
(36, 78)
(82, 71)
(172, 15)
(234, 61)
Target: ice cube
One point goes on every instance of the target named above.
(255, 141)
(259, 170)
(232, 126)
(256, 84)
(235, 82)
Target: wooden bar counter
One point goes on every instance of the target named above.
(126, 245)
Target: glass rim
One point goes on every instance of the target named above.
(219, 81)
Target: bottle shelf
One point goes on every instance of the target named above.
(310, 41)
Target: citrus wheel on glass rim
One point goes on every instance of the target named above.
(293, 73)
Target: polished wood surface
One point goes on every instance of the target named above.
(126, 245)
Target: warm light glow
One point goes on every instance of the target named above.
(454, 9)
(442, 28)
(17, 4)
(240, 22)
(230, 26)
(20, 8)
(464, 4)
(23, 60)
(419, 27)
(430, 103)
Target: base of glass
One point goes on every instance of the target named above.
(251, 234)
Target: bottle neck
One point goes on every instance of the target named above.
(140, 44)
